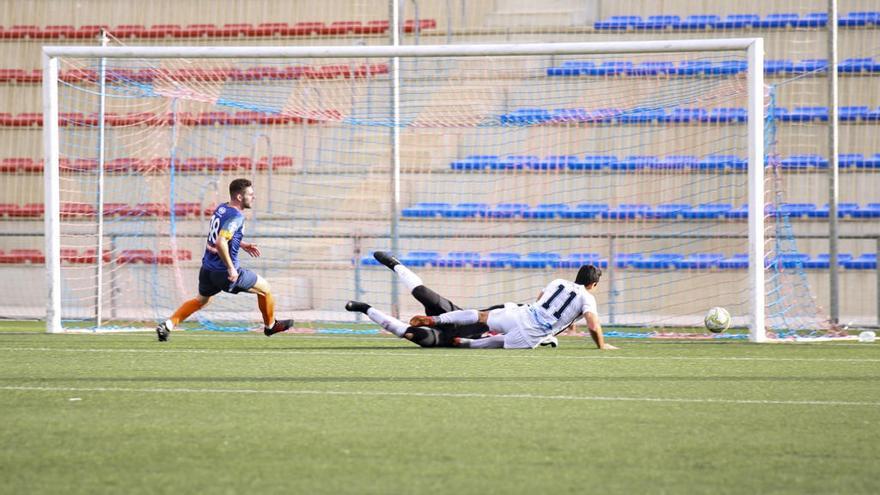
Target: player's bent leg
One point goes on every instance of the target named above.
(423, 336)
(434, 303)
(163, 331)
(266, 303)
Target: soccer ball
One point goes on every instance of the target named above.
(717, 320)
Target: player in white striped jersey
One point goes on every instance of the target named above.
(558, 306)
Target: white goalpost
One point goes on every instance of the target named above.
(478, 163)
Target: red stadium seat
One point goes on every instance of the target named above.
(244, 118)
(196, 164)
(79, 166)
(8, 210)
(164, 31)
(72, 119)
(117, 210)
(27, 120)
(69, 255)
(235, 163)
(213, 118)
(144, 256)
(168, 256)
(238, 30)
(13, 75)
(344, 27)
(123, 165)
(31, 167)
(307, 28)
(77, 210)
(30, 210)
(29, 256)
(410, 25)
(64, 32)
(375, 27)
(6, 119)
(22, 31)
(91, 31)
(187, 210)
(129, 31)
(272, 28)
(89, 256)
(152, 210)
(157, 165)
(277, 162)
(199, 30)
(12, 165)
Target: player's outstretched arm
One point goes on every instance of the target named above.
(596, 331)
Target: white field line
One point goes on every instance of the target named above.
(458, 353)
(444, 395)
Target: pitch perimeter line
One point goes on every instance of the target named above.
(445, 395)
(494, 354)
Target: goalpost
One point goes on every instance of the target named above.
(490, 168)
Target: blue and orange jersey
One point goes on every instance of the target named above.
(227, 222)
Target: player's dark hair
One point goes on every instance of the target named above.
(588, 274)
(238, 186)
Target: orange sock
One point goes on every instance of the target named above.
(267, 307)
(185, 309)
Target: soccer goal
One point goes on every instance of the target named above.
(489, 169)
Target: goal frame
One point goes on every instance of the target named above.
(754, 48)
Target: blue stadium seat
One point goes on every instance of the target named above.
(651, 69)
(867, 261)
(594, 162)
(872, 162)
(668, 211)
(679, 115)
(693, 67)
(859, 19)
(420, 258)
(843, 210)
(873, 115)
(806, 114)
(870, 210)
(823, 261)
(569, 115)
(657, 261)
(856, 65)
(676, 162)
(617, 23)
(571, 68)
(627, 210)
(634, 162)
(465, 210)
(812, 19)
(708, 210)
(738, 21)
(804, 162)
(723, 162)
(693, 22)
(625, 260)
(585, 210)
(727, 67)
(778, 66)
(576, 260)
(738, 261)
(515, 162)
(557, 162)
(810, 65)
(850, 160)
(740, 212)
(475, 162)
(640, 116)
(498, 260)
(722, 115)
(546, 210)
(369, 261)
(602, 115)
(793, 210)
(536, 260)
(657, 22)
(459, 259)
(425, 210)
(507, 210)
(853, 114)
(608, 68)
(526, 116)
(788, 260)
(775, 21)
(699, 261)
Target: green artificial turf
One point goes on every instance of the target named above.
(241, 413)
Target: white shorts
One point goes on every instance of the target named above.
(519, 328)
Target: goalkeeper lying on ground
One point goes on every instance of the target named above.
(435, 305)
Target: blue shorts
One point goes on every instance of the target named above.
(211, 282)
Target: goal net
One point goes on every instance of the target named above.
(488, 170)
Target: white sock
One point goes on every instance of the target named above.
(409, 279)
(169, 325)
(389, 323)
(493, 342)
(460, 317)
(273, 324)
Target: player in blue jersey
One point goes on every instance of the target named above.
(220, 269)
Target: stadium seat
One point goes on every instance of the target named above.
(425, 210)
(870, 210)
(667, 211)
(675, 162)
(793, 210)
(698, 261)
(475, 162)
(570, 68)
(507, 210)
(778, 66)
(625, 260)
(152, 210)
(465, 210)
(29, 210)
(775, 21)
(804, 162)
(617, 23)
(13, 165)
(576, 260)
(166, 31)
(411, 26)
(562, 115)
(187, 210)
(722, 162)
(823, 261)
(526, 116)
(77, 210)
(196, 164)
(117, 210)
(129, 31)
(8, 210)
(694, 22)
(694, 67)
(788, 260)
(585, 210)
(132, 256)
(738, 21)
(557, 162)
(684, 115)
(806, 114)
(858, 65)
(657, 23)
(741, 212)
(736, 262)
(498, 260)
(459, 259)
(375, 27)
(871, 163)
(516, 162)
(656, 261)
(728, 67)
(627, 211)
(420, 258)
(859, 19)
(546, 210)
(640, 116)
(812, 20)
(853, 113)
(608, 68)
(651, 69)
(707, 210)
(810, 65)
(536, 260)
(27, 256)
(593, 162)
(634, 162)
(724, 115)
(22, 31)
(867, 261)
(168, 256)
